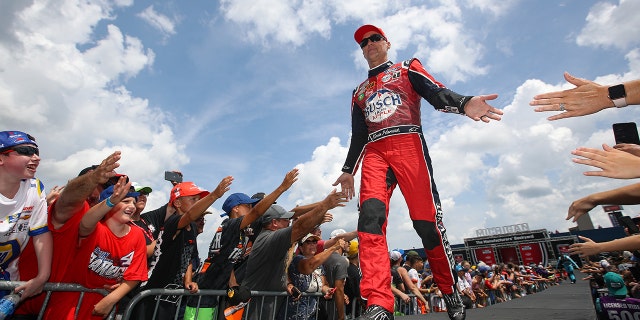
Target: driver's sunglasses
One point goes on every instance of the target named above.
(28, 151)
(374, 38)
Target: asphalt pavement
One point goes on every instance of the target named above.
(561, 302)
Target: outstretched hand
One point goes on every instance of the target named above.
(345, 180)
(580, 207)
(223, 187)
(106, 169)
(290, 178)
(613, 162)
(120, 190)
(584, 249)
(586, 98)
(479, 110)
(335, 199)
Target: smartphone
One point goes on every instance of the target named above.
(627, 222)
(172, 176)
(626, 132)
(295, 293)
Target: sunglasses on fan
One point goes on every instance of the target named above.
(24, 150)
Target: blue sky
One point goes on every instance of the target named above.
(255, 88)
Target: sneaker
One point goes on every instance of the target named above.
(376, 312)
(455, 308)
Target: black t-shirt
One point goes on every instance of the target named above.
(226, 249)
(352, 285)
(174, 254)
(155, 220)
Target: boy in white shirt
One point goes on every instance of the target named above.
(23, 210)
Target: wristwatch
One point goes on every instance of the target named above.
(618, 95)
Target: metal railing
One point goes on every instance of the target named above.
(259, 300)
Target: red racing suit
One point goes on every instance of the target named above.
(387, 138)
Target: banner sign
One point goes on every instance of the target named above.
(540, 235)
(532, 253)
(486, 255)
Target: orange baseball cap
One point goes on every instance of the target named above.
(186, 189)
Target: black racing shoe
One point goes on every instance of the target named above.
(376, 312)
(455, 308)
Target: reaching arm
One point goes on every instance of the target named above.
(307, 222)
(97, 212)
(77, 191)
(261, 207)
(590, 248)
(625, 195)
(615, 163)
(344, 236)
(586, 98)
(307, 265)
(200, 207)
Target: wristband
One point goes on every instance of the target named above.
(108, 203)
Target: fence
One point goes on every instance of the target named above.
(259, 300)
(51, 287)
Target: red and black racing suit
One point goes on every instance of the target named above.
(387, 137)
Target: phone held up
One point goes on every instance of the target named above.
(295, 293)
(626, 132)
(173, 176)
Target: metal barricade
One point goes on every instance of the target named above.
(259, 300)
(51, 287)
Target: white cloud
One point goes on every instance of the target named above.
(437, 31)
(65, 85)
(610, 25)
(497, 8)
(286, 22)
(158, 21)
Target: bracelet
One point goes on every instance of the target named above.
(109, 203)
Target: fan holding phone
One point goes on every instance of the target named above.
(305, 273)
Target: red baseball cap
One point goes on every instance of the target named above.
(359, 35)
(186, 189)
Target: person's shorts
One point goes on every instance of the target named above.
(203, 313)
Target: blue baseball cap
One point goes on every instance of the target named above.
(236, 199)
(106, 193)
(10, 139)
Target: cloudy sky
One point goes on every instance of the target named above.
(254, 88)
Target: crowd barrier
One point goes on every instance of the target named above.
(126, 309)
(51, 287)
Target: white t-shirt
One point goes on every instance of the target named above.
(462, 284)
(414, 276)
(22, 217)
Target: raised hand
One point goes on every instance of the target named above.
(223, 187)
(106, 169)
